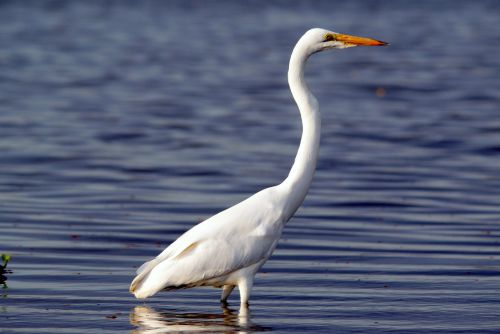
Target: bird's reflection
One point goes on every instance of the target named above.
(149, 321)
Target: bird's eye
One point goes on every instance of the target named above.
(329, 37)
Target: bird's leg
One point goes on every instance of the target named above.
(226, 291)
(245, 287)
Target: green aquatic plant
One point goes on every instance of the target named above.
(5, 260)
(3, 266)
(3, 270)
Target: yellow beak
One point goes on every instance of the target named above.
(355, 40)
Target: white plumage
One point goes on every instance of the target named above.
(228, 249)
(218, 251)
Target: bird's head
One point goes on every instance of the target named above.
(318, 39)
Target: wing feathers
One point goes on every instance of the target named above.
(188, 249)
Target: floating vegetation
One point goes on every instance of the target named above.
(3, 269)
(5, 260)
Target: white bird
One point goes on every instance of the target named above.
(228, 249)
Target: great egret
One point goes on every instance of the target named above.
(229, 248)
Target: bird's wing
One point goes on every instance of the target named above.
(233, 239)
(208, 259)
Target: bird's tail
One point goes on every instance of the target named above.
(136, 287)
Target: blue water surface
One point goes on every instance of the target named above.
(122, 124)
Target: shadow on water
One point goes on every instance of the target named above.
(147, 320)
(3, 281)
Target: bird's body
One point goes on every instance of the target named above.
(218, 251)
(229, 248)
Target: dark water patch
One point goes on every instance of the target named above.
(120, 137)
(489, 150)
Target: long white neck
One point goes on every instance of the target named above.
(296, 185)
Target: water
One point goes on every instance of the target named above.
(123, 124)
